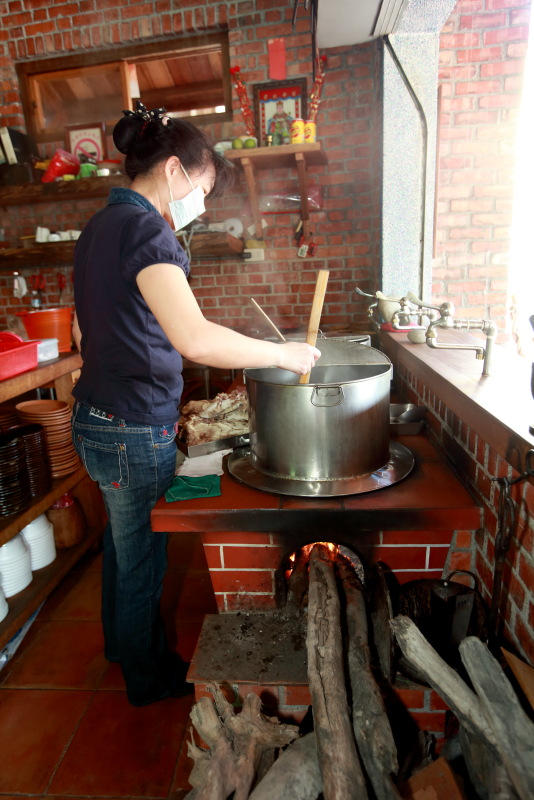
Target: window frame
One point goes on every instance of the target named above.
(29, 73)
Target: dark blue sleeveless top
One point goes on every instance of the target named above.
(130, 368)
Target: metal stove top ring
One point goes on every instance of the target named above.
(400, 464)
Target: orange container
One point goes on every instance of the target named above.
(50, 323)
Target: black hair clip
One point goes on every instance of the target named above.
(141, 111)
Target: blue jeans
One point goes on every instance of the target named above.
(133, 465)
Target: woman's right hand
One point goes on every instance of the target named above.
(297, 357)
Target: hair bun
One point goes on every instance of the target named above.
(125, 132)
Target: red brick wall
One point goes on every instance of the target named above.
(290, 703)
(243, 566)
(482, 57)
(283, 284)
(478, 463)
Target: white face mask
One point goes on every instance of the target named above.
(189, 207)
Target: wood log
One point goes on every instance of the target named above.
(487, 773)
(298, 580)
(341, 770)
(236, 743)
(443, 678)
(295, 775)
(370, 722)
(504, 715)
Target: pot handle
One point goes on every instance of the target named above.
(464, 572)
(337, 398)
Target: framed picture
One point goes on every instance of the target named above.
(276, 105)
(87, 139)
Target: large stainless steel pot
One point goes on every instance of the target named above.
(335, 427)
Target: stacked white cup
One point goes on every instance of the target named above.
(39, 537)
(15, 566)
(4, 608)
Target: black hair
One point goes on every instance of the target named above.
(148, 138)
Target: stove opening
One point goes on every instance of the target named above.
(296, 569)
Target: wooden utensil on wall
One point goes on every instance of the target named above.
(316, 311)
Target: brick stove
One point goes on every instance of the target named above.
(248, 537)
(258, 642)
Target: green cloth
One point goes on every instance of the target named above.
(189, 488)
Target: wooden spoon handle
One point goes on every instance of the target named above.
(316, 311)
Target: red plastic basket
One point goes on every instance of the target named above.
(16, 355)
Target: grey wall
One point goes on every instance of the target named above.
(410, 81)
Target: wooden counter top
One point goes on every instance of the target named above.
(46, 372)
(430, 498)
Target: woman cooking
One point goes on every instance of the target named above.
(136, 316)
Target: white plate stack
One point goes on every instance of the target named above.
(39, 536)
(15, 566)
(4, 608)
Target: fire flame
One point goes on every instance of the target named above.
(306, 550)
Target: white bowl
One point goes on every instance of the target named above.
(13, 584)
(12, 550)
(37, 528)
(4, 608)
(42, 551)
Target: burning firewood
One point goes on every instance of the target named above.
(236, 743)
(338, 758)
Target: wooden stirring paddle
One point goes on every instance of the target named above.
(316, 311)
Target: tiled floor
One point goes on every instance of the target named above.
(66, 727)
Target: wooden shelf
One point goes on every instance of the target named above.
(82, 189)
(57, 370)
(23, 604)
(299, 156)
(202, 245)
(278, 156)
(214, 243)
(41, 255)
(10, 526)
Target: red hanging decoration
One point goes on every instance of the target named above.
(248, 115)
(315, 96)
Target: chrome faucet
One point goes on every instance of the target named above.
(446, 320)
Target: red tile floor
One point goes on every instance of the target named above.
(66, 727)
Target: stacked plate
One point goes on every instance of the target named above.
(8, 416)
(15, 493)
(39, 537)
(54, 416)
(4, 608)
(37, 461)
(15, 566)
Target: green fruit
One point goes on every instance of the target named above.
(249, 143)
(237, 144)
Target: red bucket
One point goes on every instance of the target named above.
(50, 323)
